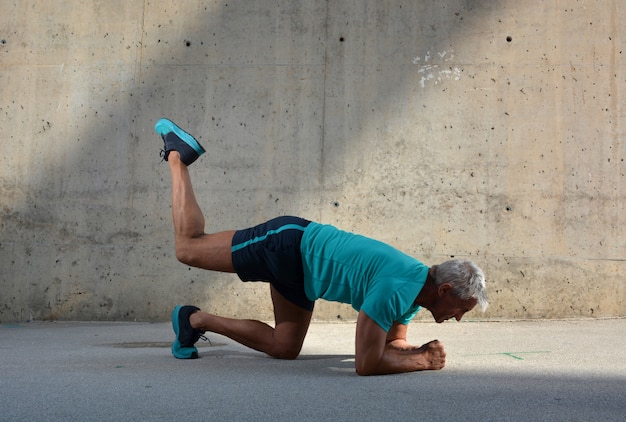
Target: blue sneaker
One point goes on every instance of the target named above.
(176, 139)
(186, 336)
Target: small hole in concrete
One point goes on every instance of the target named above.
(509, 38)
(188, 43)
(508, 208)
(336, 204)
(341, 39)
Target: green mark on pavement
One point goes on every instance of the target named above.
(514, 355)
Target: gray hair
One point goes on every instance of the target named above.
(467, 280)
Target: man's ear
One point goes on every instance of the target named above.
(444, 289)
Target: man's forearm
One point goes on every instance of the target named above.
(406, 358)
(380, 352)
(401, 344)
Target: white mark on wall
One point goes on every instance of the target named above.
(435, 71)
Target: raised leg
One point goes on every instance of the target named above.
(193, 246)
(213, 252)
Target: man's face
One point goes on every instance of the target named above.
(449, 306)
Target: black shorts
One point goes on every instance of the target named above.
(270, 252)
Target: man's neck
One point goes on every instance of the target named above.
(428, 294)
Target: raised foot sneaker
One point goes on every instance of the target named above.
(186, 336)
(176, 139)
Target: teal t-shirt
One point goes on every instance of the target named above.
(370, 275)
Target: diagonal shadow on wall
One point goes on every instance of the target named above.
(337, 111)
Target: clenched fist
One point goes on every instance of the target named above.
(433, 354)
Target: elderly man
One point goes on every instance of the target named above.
(304, 261)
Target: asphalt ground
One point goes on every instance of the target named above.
(572, 370)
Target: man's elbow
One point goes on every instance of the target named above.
(364, 368)
(364, 372)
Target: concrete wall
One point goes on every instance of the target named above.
(477, 129)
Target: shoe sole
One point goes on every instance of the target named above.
(177, 350)
(165, 126)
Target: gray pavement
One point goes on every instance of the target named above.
(496, 371)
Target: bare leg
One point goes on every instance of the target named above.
(283, 342)
(193, 246)
(213, 252)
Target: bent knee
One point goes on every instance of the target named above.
(189, 253)
(185, 256)
(211, 252)
(286, 352)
